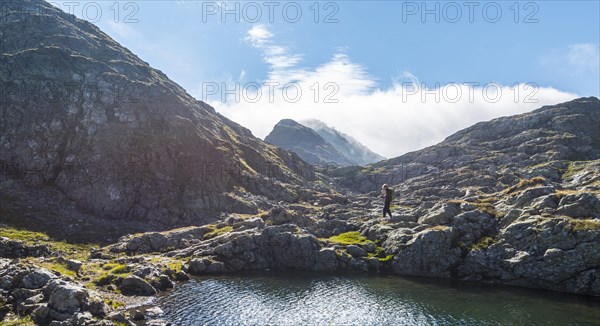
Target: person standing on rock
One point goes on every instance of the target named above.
(388, 194)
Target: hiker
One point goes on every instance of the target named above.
(388, 194)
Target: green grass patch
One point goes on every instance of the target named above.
(349, 238)
(28, 237)
(102, 275)
(24, 321)
(120, 270)
(380, 254)
(220, 231)
(386, 258)
(483, 243)
(115, 304)
(524, 184)
(572, 169)
(104, 279)
(175, 266)
(68, 250)
(57, 267)
(584, 225)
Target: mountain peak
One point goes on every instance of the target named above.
(351, 148)
(305, 142)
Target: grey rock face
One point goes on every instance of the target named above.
(583, 205)
(117, 136)
(440, 216)
(430, 253)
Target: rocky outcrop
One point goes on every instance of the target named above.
(17, 249)
(35, 291)
(118, 137)
(552, 253)
(276, 247)
(430, 252)
(477, 156)
(159, 242)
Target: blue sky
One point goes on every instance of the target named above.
(370, 51)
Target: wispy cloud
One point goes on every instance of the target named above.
(584, 55)
(394, 120)
(575, 59)
(278, 57)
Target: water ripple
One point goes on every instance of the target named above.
(300, 299)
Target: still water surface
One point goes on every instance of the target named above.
(309, 299)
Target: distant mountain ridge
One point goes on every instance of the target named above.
(317, 143)
(351, 148)
(305, 142)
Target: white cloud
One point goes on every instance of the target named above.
(576, 59)
(584, 55)
(391, 121)
(276, 56)
(258, 35)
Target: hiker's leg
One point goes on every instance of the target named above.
(386, 209)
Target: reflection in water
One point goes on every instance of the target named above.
(301, 299)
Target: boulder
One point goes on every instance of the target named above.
(356, 251)
(397, 239)
(74, 265)
(441, 215)
(327, 260)
(134, 285)
(429, 253)
(37, 279)
(97, 307)
(68, 298)
(162, 283)
(41, 314)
